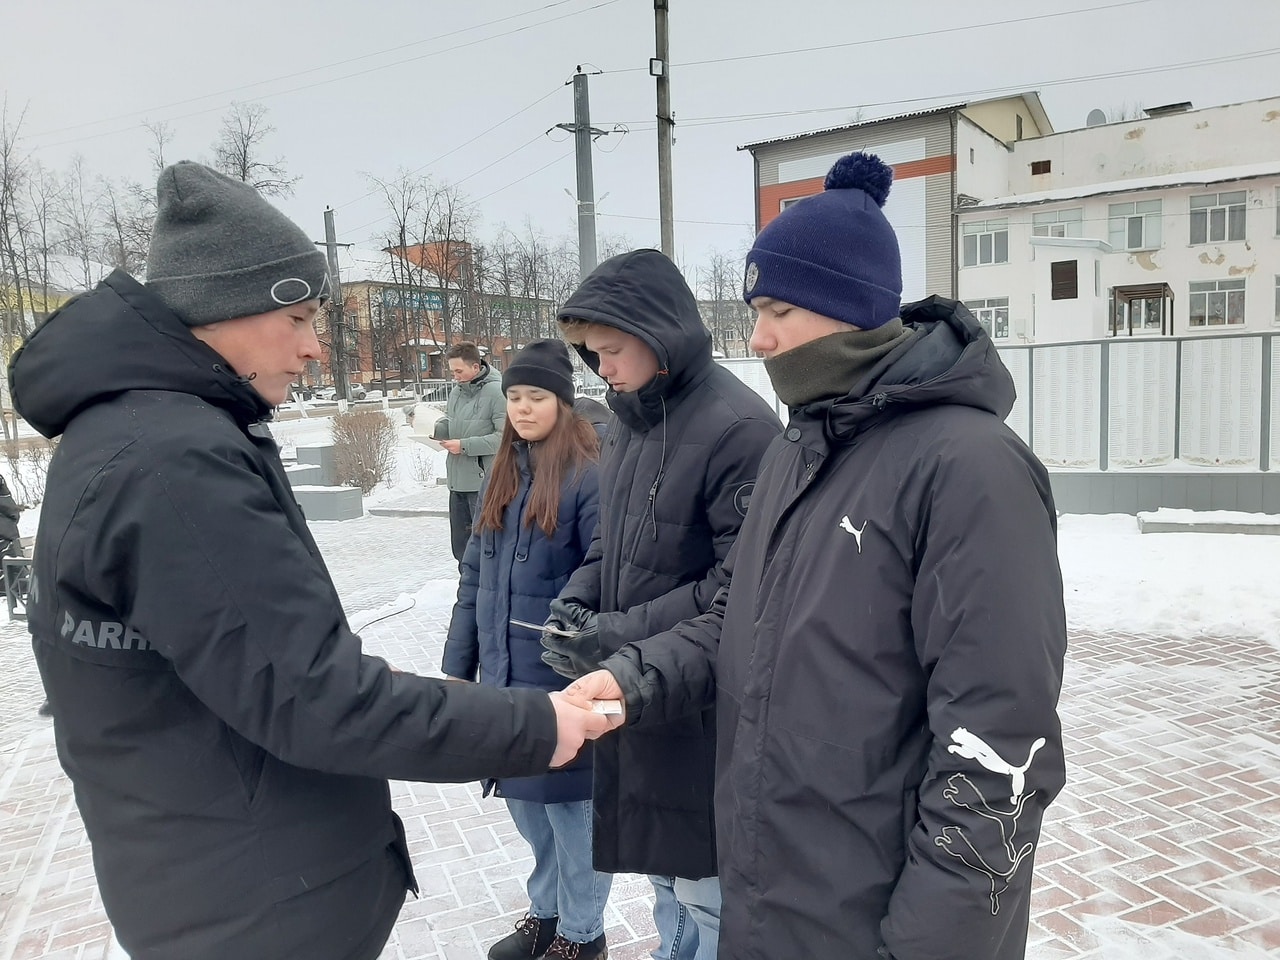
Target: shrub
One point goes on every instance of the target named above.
(364, 448)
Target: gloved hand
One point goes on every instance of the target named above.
(577, 655)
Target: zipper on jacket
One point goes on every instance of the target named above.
(653, 493)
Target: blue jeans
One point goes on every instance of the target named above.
(563, 883)
(687, 915)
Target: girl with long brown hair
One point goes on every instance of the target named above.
(537, 517)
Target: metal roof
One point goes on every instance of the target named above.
(853, 126)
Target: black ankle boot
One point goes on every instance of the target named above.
(531, 939)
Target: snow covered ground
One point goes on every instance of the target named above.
(1176, 584)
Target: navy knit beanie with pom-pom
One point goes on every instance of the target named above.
(834, 253)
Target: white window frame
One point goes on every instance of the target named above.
(1226, 296)
(1278, 211)
(789, 201)
(1058, 223)
(1221, 216)
(993, 315)
(1276, 320)
(1143, 216)
(986, 240)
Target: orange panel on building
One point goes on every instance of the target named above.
(772, 196)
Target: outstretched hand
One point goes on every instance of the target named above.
(576, 723)
(601, 685)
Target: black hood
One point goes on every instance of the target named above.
(950, 359)
(118, 337)
(642, 293)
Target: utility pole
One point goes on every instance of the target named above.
(660, 67)
(583, 133)
(337, 332)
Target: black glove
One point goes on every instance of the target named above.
(577, 655)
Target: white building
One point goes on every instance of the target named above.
(1165, 225)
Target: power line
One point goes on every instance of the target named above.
(903, 36)
(348, 76)
(563, 156)
(303, 73)
(951, 98)
(494, 163)
(711, 223)
(465, 143)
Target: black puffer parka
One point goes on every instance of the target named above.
(676, 474)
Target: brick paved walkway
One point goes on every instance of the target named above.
(1164, 844)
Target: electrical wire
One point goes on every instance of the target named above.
(968, 95)
(465, 143)
(348, 76)
(902, 36)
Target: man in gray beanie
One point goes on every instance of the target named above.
(219, 250)
(228, 740)
(887, 656)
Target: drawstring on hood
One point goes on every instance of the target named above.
(662, 471)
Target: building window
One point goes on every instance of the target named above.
(1278, 211)
(1039, 166)
(993, 315)
(1058, 223)
(1277, 319)
(1215, 303)
(1217, 217)
(986, 241)
(790, 201)
(1064, 280)
(1134, 226)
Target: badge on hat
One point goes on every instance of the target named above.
(753, 276)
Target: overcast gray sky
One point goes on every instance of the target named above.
(357, 88)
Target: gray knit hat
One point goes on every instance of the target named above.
(220, 251)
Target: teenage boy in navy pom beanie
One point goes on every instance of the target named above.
(887, 657)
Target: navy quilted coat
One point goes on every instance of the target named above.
(516, 573)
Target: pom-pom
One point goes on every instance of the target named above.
(861, 171)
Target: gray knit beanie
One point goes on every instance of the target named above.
(220, 251)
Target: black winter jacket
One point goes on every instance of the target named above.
(676, 475)
(228, 742)
(890, 655)
(516, 572)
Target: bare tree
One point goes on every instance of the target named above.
(13, 272)
(412, 305)
(238, 151)
(447, 254)
(1126, 111)
(139, 209)
(44, 195)
(79, 218)
(719, 292)
(127, 233)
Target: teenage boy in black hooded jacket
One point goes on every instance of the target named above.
(228, 742)
(676, 474)
(887, 659)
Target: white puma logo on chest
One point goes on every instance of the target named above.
(847, 526)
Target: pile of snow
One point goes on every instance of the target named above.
(1176, 584)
